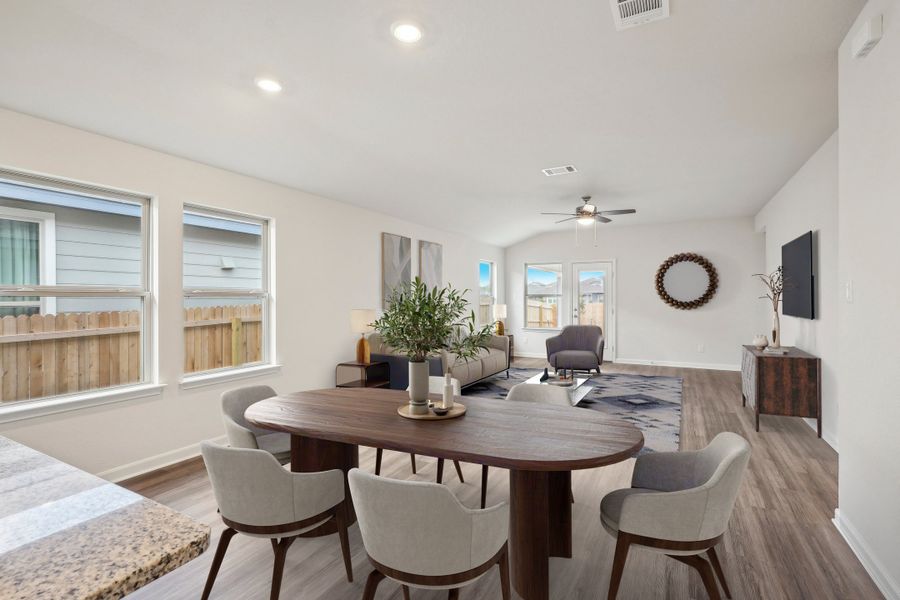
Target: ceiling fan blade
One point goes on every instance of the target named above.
(602, 219)
(561, 214)
(569, 219)
(624, 211)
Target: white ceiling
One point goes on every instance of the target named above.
(703, 115)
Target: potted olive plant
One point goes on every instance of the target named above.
(420, 322)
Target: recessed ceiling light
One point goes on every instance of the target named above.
(408, 33)
(268, 85)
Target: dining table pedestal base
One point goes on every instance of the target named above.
(309, 455)
(540, 527)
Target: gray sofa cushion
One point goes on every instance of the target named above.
(574, 359)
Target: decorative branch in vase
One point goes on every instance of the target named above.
(774, 283)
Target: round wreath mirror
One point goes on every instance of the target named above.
(686, 281)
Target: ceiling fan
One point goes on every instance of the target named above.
(587, 213)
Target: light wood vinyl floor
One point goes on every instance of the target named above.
(781, 542)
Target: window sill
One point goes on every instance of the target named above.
(214, 377)
(542, 329)
(29, 409)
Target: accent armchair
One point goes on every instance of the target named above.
(259, 498)
(241, 434)
(418, 534)
(679, 503)
(576, 348)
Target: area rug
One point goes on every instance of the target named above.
(651, 402)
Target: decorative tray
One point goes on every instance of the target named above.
(458, 410)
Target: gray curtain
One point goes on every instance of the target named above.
(20, 261)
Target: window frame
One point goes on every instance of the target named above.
(146, 293)
(493, 277)
(265, 295)
(560, 296)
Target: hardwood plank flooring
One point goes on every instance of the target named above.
(780, 545)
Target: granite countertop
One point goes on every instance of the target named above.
(67, 534)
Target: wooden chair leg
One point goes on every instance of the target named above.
(217, 561)
(623, 543)
(274, 542)
(706, 573)
(453, 594)
(340, 516)
(278, 568)
(440, 471)
(504, 575)
(405, 589)
(717, 567)
(459, 471)
(484, 482)
(375, 577)
(412, 460)
(379, 452)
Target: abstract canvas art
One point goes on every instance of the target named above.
(396, 263)
(431, 264)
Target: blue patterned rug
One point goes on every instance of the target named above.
(651, 402)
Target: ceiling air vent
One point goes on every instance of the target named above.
(560, 170)
(631, 13)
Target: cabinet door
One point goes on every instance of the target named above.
(789, 387)
(748, 377)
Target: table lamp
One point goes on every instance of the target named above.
(361, 322)
(499, 315)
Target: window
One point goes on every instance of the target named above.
(226, 291)
(74, 292)
(543, 293)
(487, 293)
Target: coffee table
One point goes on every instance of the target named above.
(577, 391)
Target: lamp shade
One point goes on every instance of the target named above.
(361, 320)
(499, 311)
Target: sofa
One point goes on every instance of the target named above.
(491, 360)
(576, 348)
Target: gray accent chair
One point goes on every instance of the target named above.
(241, 434)
(259, 498)
(576, 348)
(419, 535)
(679, 503)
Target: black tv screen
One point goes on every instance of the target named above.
(798, 299)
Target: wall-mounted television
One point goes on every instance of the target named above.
(799, 297)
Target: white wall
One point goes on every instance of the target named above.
(337, 245)
(809, 202)
(648, 330)
(869, 326)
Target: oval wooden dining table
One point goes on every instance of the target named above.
(540, 445)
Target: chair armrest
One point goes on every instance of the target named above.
(314, 493)
(490, 530)
(554, 344)
(599, 349)
(664, 471)
(675, 516)
(499, 342)
(238, 435)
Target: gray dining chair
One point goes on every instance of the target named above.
(259, 498)
(679, 503)
(241, 434)
(418, 534)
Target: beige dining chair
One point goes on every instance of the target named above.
(435, 386)
(259, 498)
(679, 503)
(241, 434)
(419, 535)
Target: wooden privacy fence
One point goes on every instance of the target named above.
(222, 336)
(542, 314)
(591, 314)
(45, 355)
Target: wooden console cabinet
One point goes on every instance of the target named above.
(782, 384)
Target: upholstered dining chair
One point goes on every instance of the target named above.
(259, 498)
(418, 534)
(435, 386)
(679, 503)
(241, 434)
(576, 348)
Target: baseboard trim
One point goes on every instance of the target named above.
(682, 365)
(152, 463)
(872, 565)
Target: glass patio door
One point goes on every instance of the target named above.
(592, 297)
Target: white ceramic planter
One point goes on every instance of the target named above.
(418, 387)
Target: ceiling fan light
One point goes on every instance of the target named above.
(586, 221)
(589, 208)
